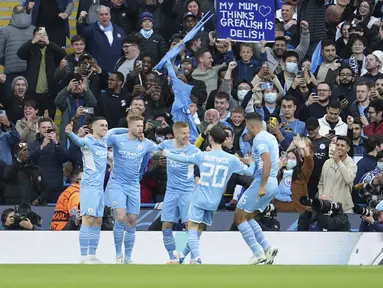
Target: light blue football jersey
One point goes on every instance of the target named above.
(180, 175)
(127, 157)
(216, 168)
(262, 143)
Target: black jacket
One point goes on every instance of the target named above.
(50, 160)
(32, 54)
(23, 182)
(125, 16)
(155, 46)
(113, 107)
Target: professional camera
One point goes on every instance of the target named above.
(370, 193)
(305, 201)
(270, 211)
(24, 212)
(363, 211)
(320, 205)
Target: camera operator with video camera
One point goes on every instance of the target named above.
(372, 219)
(322, 215)
(20, 218)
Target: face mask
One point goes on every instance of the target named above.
(380, 166)
(291, 164)
(291, 67)
(241, 94)
(270, 97)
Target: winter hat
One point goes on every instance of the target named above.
(17, 79)
(147, 16)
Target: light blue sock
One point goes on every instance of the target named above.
(169, 242)
(118, 234)
(94, 238)
(186, 250)
(193, 243)
(249, 237)
(259, 235)
(84, 238)
(130, 236)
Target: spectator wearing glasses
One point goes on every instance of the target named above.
(375, 113)
(131, 50)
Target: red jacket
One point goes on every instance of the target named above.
(373, 129)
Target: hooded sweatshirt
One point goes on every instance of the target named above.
(19, 31)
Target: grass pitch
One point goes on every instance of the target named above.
(182, 276)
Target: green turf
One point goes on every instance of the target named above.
(181, 276)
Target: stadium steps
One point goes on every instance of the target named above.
(5, 15)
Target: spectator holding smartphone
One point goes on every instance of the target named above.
(331, 124)
(46, 152)
(68, 100)
(316, 104)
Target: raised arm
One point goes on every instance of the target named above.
(76, 140)
(193, 159)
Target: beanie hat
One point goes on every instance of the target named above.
(17, 79)
(147, 16)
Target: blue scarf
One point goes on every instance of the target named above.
(146, 33)
(107, 28)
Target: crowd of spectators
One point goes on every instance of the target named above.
(320, 81)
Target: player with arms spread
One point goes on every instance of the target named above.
(216, 168)
(94, 149)
(179, 187)
(262, 190)
(123, 190)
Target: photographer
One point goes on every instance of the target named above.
(322, 215)
(372, 219)
(23, 181)
(20, 218)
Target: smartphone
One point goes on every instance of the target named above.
(267, 85)
(42, 31)
(341, 98)
(89, 110)
(315, 92)
(331, 131)
(50, 130)
(273, 120)
(156, 123)
(301, 74)
(138, 63)
(3, 113)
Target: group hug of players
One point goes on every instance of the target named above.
(193, 203)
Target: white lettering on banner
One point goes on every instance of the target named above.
(326, 248)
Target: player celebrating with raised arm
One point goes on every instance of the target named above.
(123, 190)
(262, 190)
(94, 149)
(179, 187)
(216, 168)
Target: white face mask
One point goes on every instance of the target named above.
(380, 166)
(291, 67)
(241, 94)
(270, 97)
(291, 163)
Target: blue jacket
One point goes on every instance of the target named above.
(246, 71)
(63, 7)
(8, 138)
(98, 45)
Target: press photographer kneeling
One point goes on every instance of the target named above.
(20, 218)
(322, 215)
(372, 219)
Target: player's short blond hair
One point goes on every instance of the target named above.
(180, 125)
(135, 117)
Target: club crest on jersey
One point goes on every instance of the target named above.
(139, 147)
(114, 203)
(322, 146)
(90, 210)
(288, 181)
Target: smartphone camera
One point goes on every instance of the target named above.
(50, 131)
(331, 131)
(301, 74)
(89, 110)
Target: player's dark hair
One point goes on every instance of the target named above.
(254, 116)
(95, 119)
(218, 134)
